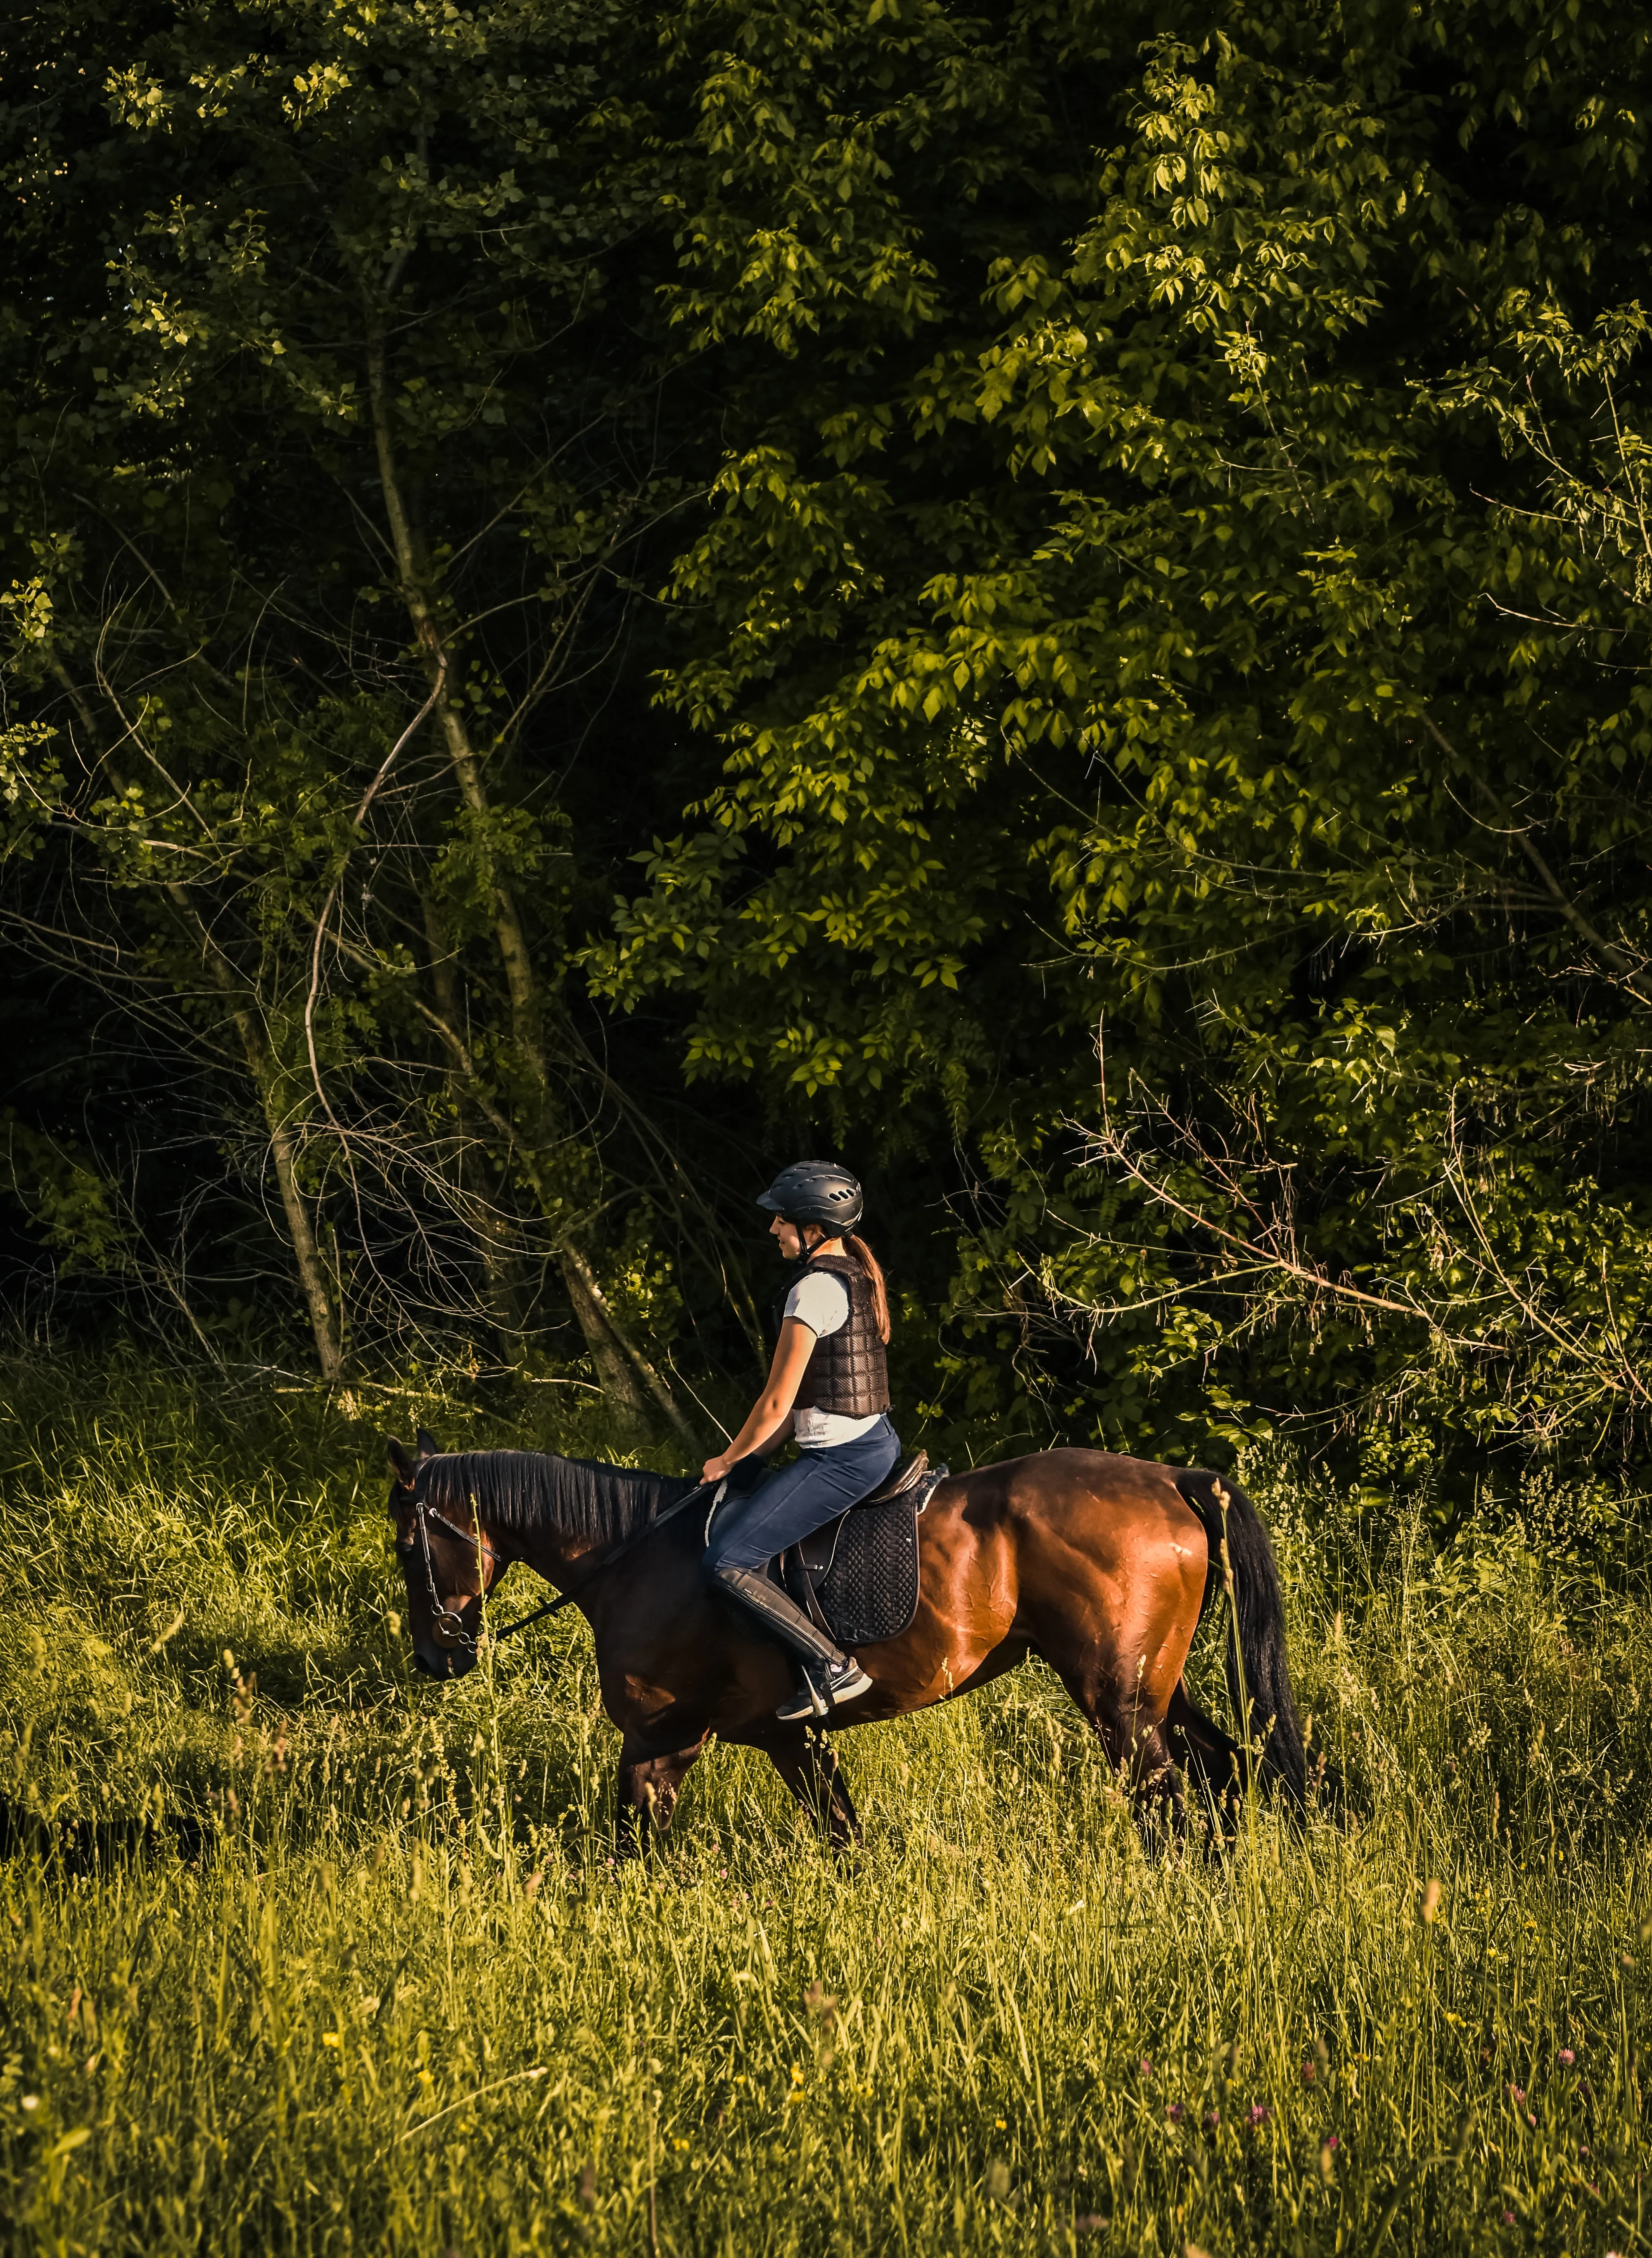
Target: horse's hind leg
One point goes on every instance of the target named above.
(648, 1791)
(808, 1766)
(1212, 1761)
(1133, 1738)
(1161, 1814)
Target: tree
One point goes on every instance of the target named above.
(340, 438)
(1192, 588)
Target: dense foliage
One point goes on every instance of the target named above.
(1194, 595)
(330, 469)
(1135, 522)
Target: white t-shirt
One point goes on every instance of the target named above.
(821, 1301)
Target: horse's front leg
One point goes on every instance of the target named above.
(808, 1764)
(648, 1791)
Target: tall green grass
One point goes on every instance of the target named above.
(411, 2005)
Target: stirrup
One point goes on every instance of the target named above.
(820, 1693)
(808, 1700)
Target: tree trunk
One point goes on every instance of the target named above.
(617, 1347)
(624, 1372)
(503, 1283)
(325, 1317)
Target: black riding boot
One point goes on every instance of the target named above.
(828, 1674)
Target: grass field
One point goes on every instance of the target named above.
(408, 2004)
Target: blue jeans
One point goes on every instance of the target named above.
(794, 1501)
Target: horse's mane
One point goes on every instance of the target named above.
(521, 1491)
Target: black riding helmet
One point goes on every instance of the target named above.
(817, 1191)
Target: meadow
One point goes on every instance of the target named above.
(406, 2001)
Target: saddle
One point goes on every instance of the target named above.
(857, 1578)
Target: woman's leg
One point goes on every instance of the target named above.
(793, 1502)
(786, 1507)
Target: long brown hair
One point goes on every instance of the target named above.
(874, 1270)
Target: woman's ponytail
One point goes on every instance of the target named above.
(872, 1269)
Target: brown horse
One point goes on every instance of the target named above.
(1101, 1564)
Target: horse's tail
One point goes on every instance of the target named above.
(1259, 1676)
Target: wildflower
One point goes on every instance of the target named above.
(1517, 2094)
(1174, 2113)
(1332, 2141)
(1259, 2112)
(1143, 2068)
(1531, 2120)
(999, 2123)
(1567, 2057)
(31, 2100)
(1308, 2073)
(1212, 2119)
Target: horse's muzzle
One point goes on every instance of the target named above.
(454, 1662)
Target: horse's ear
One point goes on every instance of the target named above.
(427, 1445)
(401, 1464)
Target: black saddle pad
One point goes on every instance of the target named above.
(863, 1566)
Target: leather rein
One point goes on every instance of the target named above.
(449, 1629)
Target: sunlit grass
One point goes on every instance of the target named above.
(409, 2003)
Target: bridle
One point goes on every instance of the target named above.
(446, 1627)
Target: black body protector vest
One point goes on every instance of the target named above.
(848, 1372)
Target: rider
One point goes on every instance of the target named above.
(829, 1385)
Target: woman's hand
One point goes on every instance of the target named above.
(714, 1470)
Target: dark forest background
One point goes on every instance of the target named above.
(1049, 600)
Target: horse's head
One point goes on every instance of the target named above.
(448, 1565)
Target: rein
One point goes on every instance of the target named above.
(478, 1542)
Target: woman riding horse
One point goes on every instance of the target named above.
(827, 1386)
(1099, 1564)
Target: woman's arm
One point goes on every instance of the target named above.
(769, 1419)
